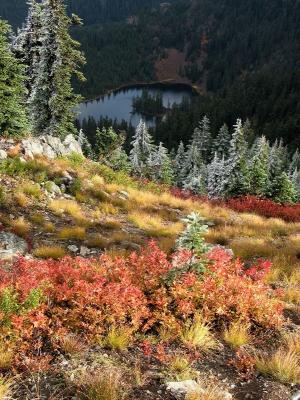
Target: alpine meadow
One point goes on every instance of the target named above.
(149, 200)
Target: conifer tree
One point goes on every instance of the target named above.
(238, 180)
(179, 163)
(196, 180)
(160, 165)
(259, 170)
(295, 178)
(202, 138)
(142, 148)
(248, 132)
(26, 45)
(216, 177)
(221, 143)
(12, 88)
(295, 162)
(52, 101)
(284, 190)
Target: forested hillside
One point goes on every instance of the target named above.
(244, 55)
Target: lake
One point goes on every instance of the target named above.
(118, 104)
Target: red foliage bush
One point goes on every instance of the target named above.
(264, 207)
(41, 299)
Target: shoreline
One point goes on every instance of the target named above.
(166, 82)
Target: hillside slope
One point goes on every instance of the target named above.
(114, 319)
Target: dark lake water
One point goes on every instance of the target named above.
(118, 105)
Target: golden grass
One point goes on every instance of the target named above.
(104, 384)
(108, 209)
(111, 224)
(55, 252)
(5, 388)
(49, 227)
(38, 219)
(198, 334)
(154, 225)
(21, 199)
(6, 356)
(292, 295)
(31, 189)
(292, 342)
(237, 334)
(62, 206)
(20, 226)
(98, 241)
(76, 233)
(209, 391)
(118, 338)
(247, 248)
(283, 365)
(179, 368)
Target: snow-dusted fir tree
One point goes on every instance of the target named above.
(278, 164)
(196, 180)
(221, 143)
(238, 179)
(216, 177)
(295, 162)
(259, 167)
(160, 165)
(142, 148)
(202, 138)
(26, 45)
(295, 179)
(12, 89)
(52, 100)
(179, 164)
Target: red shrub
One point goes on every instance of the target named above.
(41, 299)
(264, 207)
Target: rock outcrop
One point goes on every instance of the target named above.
(48, 146)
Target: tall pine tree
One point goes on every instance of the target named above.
(52, 101)
(12, 88)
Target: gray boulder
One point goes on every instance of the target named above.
(11, 246)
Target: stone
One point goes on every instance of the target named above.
(84, 251)
(73, 249)
(3, 155)
(296, 396)
(181, 389)
(11, 246)
(52, 188)
(31, 147)
(123, 194)
(72, 145)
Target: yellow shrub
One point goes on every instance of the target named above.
(55, 252)
(76, 232)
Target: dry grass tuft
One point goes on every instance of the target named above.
(198, 334)
(5, 388)
(98, 241)
(180, 369)
(103, 385)
(62, 206)
(209, 391)
(118, 338)
(71, 345)
(31, 189)
(21, 199)
(55, 252)
(111, 224)
(292, 342)
(6, 355)
(75, 233)
(154, 225)
(283, 365)
(108, 209)
(49, 227)
(20, 227)
(237, 334)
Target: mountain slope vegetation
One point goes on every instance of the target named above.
(243, 55)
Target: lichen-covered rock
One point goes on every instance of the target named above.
(11, 246)
(3, 154)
